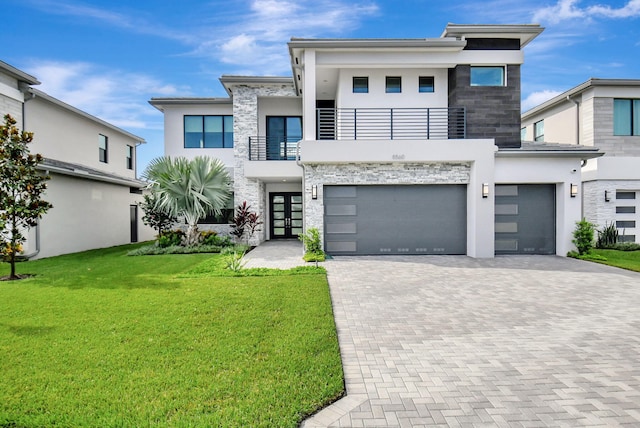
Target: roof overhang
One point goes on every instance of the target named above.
(228, 81)
(80, 171)
(524, 32)
(160, 103)
(18, 74)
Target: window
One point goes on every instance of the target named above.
(393, 85)
(621, 224)
(283, 133)
(523, 133)
(625, 210)
(625, 195)
(225, 217)
(487, 76)
(208, 132)
(626, 117)
(425, 84)
(103, 148)
(538, 131)
(360, 85)
(129, 157)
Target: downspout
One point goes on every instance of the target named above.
(577, 118)
(28, 97)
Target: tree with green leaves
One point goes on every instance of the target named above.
(21, 188)
(154, 217)
(189, 189)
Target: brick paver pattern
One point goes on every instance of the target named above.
(512, 341)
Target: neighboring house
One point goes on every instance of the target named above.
(605, 114)
(93, 186)
(391, 146)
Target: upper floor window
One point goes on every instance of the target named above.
(626, 117)
(425, 84)
(523, 133)
(487, 76)
(208, 132)
(393, 85)
(360, 85)
(103, 148)
(538, 131)
(129, 157)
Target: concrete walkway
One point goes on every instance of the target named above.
(510, 342)
(277, 254)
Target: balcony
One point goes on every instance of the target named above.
(390, 123)
(272, 148)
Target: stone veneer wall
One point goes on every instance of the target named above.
(611, 145)
(492, 111)
(245, 125)
(600, 212)
(373, 173)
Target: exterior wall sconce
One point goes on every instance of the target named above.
(485, 190)
(314, 192)
(574, 190)
(607, 196)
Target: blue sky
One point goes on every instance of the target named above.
(110, 57)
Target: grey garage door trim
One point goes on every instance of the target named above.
(395, 219)
(525, 219)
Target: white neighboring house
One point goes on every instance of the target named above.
(601, 113)
(93, 186)
(391, 146)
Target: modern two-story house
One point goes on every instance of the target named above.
(602, 113)
(391, 146)
(92, 165)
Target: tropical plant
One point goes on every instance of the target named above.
(235, 261)
(608, 236)
(583, 236)
(312, 245)
(245, 222)
(21, 188)
(153, 217)
(189, 189)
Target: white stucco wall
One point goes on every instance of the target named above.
(558, 171)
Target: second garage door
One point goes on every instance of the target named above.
(417, 219)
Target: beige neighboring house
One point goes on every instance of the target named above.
(601, 113)
(93, 186)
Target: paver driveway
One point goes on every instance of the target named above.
(510, 341)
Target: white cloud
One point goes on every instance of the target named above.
(569, 9)
(112, 95)
(538, 97)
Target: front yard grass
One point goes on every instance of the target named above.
(623, 259)
(101, 339)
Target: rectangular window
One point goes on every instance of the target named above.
(622, 224)
(538, 131)
(360, 85)
(626, 117)
(283, 134)
(129, 157)
(625, 195)
(627, 238)
(209, 132)
(425, 84)
(225, 217)
(625, 210)
(523, 133)
(103, 148)
(487, 76)
(393, 85)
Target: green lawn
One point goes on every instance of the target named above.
(102, 339)
(623, 259)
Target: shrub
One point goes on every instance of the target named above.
(314, 257)
(626, 246)
(235, 261)
(311, 241)
(212, 238)
(583, 236)
(152, 250)
(170, 238)
(608, 236)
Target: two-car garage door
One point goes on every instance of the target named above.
(432, 219)
(396, 219)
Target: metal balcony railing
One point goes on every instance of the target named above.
(390, 123)
(273, 148)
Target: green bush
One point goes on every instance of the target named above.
(170, 238)
(626, 246)
(583, 236)
(314, 257)
(211, 237)
(153, 250)
(311, 240)
(608, 236)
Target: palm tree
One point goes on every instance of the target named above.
(190, 189)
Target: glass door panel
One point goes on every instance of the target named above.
(286, 215)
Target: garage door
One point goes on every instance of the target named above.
(430, 219)
(525, 219)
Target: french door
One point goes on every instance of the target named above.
(286, 215)
(283, 132)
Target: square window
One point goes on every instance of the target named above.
(360, 85)
(425, 84)
(103, 148)
(393, 85)
(487, 76)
